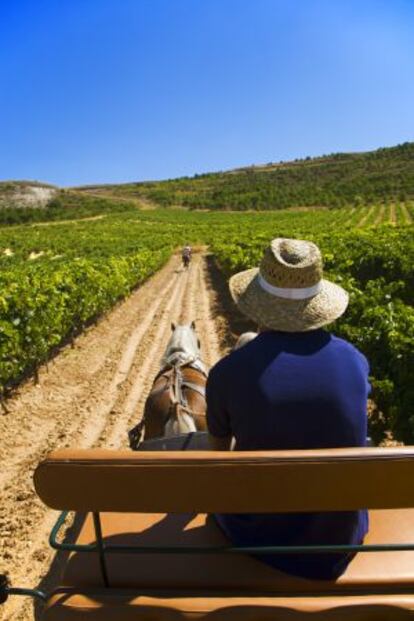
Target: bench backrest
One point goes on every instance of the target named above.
(243, 482)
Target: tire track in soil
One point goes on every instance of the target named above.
(121, 383)
(210, 342)
(91, 395)
(188, 304)
(145, 367)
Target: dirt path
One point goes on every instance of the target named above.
(90, 395)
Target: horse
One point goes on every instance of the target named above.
(177, 402)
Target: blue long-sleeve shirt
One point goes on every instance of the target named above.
(292, 391)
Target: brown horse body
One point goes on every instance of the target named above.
(165, 404)
(176, 403)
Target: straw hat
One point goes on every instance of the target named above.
(287, 292)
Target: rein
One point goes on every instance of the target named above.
(175, 385)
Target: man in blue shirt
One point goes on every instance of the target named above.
(294, 386)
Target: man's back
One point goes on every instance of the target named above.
(292, 391)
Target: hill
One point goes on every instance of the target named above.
(31, 201)
(385, 175)
(21, 194)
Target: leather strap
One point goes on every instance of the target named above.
(175, 384)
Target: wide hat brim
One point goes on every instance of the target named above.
(286, 315)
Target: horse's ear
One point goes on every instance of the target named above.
(193, 326)
(173, 326)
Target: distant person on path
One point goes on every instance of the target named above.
(186, 255)
(294, 386)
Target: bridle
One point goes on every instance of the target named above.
(175, 385)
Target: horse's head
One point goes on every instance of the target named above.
(184, 341)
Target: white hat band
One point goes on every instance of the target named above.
(301, 293)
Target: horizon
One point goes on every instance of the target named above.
(207, 172)
(100, 93)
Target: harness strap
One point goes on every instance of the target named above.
(194, 362)
(196, 387)
(135, 435)
(176, 388)
(175, 385)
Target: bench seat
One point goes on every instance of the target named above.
(124, 605)
(381, 571)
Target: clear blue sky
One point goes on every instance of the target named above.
(117, 90)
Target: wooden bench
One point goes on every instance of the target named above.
(146, 549)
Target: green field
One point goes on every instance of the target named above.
(58, 277)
